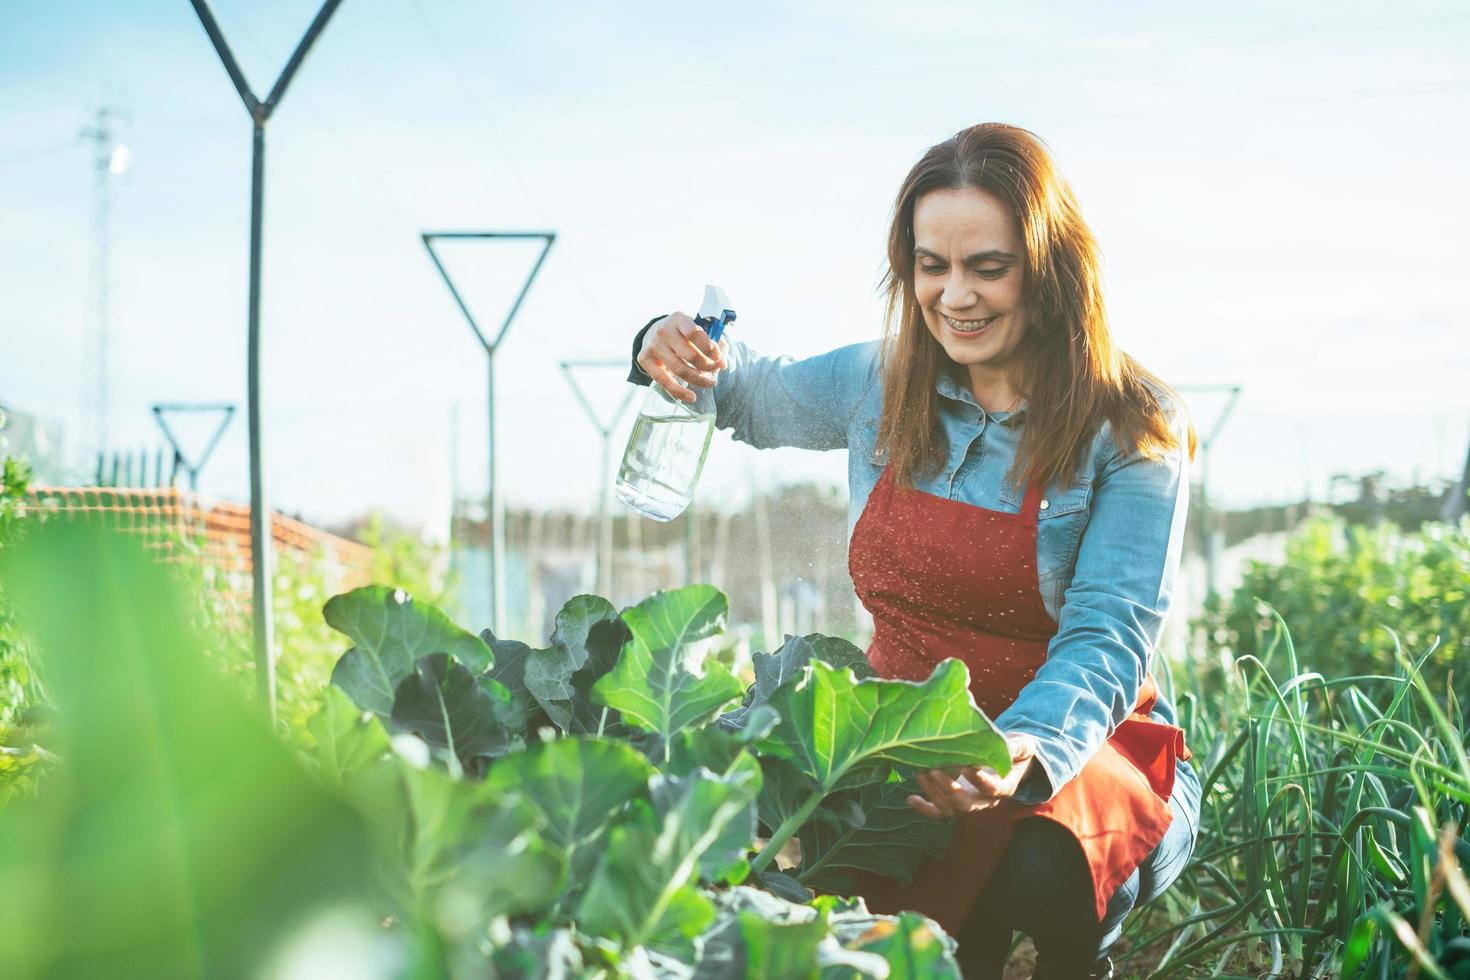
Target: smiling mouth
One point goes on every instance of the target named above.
(969, 326)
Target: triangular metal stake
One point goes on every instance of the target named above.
(603, 430)
(429, 237)
(261, 553)
(604, 535)
(1206, 522)
(181, 459)
(497, 525)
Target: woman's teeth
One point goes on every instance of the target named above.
(970, 326)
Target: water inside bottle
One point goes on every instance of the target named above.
(662, 464)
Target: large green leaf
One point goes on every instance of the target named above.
(785, 789)
(775, 927)
(788, 665)
(603, 645)
(179, 838)
(722, 751)
(725, 860)
(722, 950)
(465, 720)
(844, 733)
(575, 622)
(653, 684)
(509, 670)
(579, 785)
(539, 953)
(716, 748)
(557, 680)
(390, 632)
(888, 836)
(781, 949)
(643, 889)
(348, 739)
(477, 852)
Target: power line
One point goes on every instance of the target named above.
(475, 105)
(39, 153)
(1031, 58)
(1340, 96)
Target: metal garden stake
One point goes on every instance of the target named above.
(497, 522)
(260, 545)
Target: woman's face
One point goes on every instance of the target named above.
(968, 273)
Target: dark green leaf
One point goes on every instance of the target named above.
(604, 645)
(642, 890)
(783, 885)
(575, 622)
(721, 752)
(871, 828)
(723, 856)
(605, 641)
(542, 953)
(579, 785)
(558, 679)
(459, 716)
(788, 665)
(477, 852)
(713, 747)
(784, 789)
(389, 633)
(781, 949)
(509, 670)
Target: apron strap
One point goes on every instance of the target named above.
(1031, 503)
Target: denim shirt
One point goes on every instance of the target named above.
(1107, 548)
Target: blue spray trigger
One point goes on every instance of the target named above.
(715, 326)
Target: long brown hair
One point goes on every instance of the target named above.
(1067, 366)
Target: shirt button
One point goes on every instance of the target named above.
(1045, 504)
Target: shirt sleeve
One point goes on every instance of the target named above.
(1112, 615)
(768, 402)
(635, 373)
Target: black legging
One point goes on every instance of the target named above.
(1042, 887)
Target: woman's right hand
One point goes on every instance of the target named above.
(677, 347)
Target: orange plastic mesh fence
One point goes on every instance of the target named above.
(182, 527)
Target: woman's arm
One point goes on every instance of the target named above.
(1112, 614)
(777, 401)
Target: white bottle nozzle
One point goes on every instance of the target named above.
(715, 313)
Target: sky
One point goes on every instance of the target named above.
(1278, 189)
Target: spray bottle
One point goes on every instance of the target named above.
(670, 439)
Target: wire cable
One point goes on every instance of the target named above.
(320, 117)
(39, 153)
(475, 105)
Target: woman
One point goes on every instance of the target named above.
(1018, 497)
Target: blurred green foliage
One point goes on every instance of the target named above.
(176, 837)
(306, 647)
(21, 710)
(1340, 585)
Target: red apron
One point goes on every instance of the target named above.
(944, 578)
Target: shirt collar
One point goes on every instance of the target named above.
(950, 388)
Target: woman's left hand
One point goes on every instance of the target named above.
(967, 789)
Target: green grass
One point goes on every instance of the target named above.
(1324, 798)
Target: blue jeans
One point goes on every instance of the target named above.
(1042, 887)
(1160, 869)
